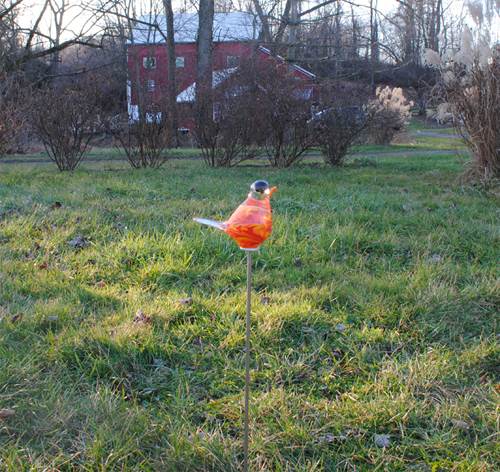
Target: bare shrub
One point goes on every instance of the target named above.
(288, 137)
(340, 119)
(260, 110)
(390, 112)
(14, 106)
(337, 130)
(224, 141)
(283, 110)
(470, 91)
(227, 138)
(144, 137)
(145, 141)
(63, 117)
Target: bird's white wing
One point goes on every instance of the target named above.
(214, 224)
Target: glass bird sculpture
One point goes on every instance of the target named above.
(251, 223)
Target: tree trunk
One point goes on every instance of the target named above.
(171, 84)
(285, 19)
(293, 30)
(204, 105)
(266, 30)
(372, 49)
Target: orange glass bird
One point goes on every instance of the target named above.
(251, 223)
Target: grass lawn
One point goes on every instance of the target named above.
(412, 141)
(431, 142)
(375, 309)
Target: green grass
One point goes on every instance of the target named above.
(104, 153)
(442, 143)
(421, 143)
(394, 251)
(413, 141)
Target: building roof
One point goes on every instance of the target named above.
(234, 26)
(188, 95)
(291, 65)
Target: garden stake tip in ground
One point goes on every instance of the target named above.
(250, 225)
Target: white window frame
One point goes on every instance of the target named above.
(232, 58)
(149, 62)
(150, 85)
(180, 62)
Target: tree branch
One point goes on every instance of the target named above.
(11, 7)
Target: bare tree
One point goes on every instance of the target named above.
(171, 73)
(119, 17)
(58, 9)
(204, 66)
(44, 38)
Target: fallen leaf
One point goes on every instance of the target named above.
(460, 424)
(198, 342)
(6, 413)
(201, 435)
(382, 440)
(330, 438)
(340, 327)
(141, 318)
(337, 354)
(186, 301)
(43, 266)
(354, 433)
(79, 242)
(100, 284)
(436, 258)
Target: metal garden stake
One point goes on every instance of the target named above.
(250, 225)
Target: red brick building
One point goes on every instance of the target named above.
(235, 39)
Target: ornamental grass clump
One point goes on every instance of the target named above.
(469, 89)
(391, 112)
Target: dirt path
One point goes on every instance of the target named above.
(434, 134)
(409, 153)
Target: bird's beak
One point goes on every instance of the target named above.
(270, 191)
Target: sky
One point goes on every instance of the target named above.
(78, 21)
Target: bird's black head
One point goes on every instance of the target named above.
(259, 186)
